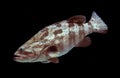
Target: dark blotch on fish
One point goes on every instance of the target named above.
(58, 31)
(79, 19)
(52, 49)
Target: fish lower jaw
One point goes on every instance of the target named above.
(19, 57)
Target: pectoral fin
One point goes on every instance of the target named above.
(84, 43)
(54, 60)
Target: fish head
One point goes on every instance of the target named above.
(28, 52)
(41, 53)
(24, 55)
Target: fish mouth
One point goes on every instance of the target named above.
(23, 57)
(18, 57)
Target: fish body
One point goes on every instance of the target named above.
(59, 38)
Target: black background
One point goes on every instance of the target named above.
(26, 19)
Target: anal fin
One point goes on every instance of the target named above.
(84, 43)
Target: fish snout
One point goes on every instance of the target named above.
(21, 55)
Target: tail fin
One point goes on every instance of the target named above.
(98, 24)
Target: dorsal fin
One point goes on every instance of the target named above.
(79, 19)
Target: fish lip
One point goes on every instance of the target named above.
(18, 57)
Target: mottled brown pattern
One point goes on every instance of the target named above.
(77, 38)
(71, 24)
(58, 31)
(47, 49)
(44, 49)
(37, 46)
(44, 34)
(35, 39)
(27, 53)
(59, 45)
(45, 40)
(79, 19)
(81, 33)
(90, 27)
(71, 38)
(21, 51)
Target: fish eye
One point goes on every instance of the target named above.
(21, 49)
